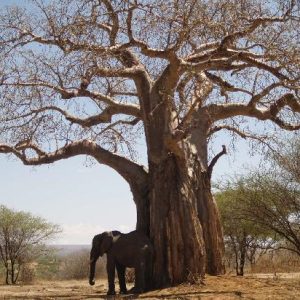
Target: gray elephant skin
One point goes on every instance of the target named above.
(133, 250)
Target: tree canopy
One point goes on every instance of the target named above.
(245, 239)
(22, 236)
(78, 73)
(267, 200)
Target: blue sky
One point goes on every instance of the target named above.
(85, 200)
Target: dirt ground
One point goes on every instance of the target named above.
(263, 286)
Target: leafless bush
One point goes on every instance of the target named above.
(271, 261)
(76, 266)
(281, 261)
(28, 273)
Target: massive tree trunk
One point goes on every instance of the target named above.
(177, 200)
(175, 228)
(180, 215)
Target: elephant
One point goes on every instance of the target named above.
(133, 250)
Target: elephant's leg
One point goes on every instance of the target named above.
(110, 268)
(121, 275)
(139, 286)
(142, 279)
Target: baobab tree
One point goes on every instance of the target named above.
(88, 77)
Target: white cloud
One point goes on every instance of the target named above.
(83, 233)
(80, 233)
(125, 228)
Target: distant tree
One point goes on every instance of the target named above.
(244, 239)
(267, 200)
(91, 77)
(22, 238)
(48, 264)
(275, 205)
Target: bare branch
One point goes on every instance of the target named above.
(224, 85)
(230, 128)
(242, 134)
(104, 117)
(229, 39)
(260, 65)
(214, 161)
(111, 50)
(113, 108)
(115, 21)
(256, 98)
(145, 49)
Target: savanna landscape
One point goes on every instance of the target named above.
(160, 92)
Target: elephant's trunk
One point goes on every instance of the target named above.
(92, 271)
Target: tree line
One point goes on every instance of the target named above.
(261, 210)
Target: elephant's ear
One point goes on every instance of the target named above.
(106, 243)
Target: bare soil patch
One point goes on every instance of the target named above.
(266, 286)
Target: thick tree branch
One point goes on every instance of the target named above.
(68, 46)
(228, 60)
(129, 170)
(167, 81)
(131, 72)
(26, 37)
(104, 117)
(218, 51)
(224, 111)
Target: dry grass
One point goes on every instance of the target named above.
(281, 286)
